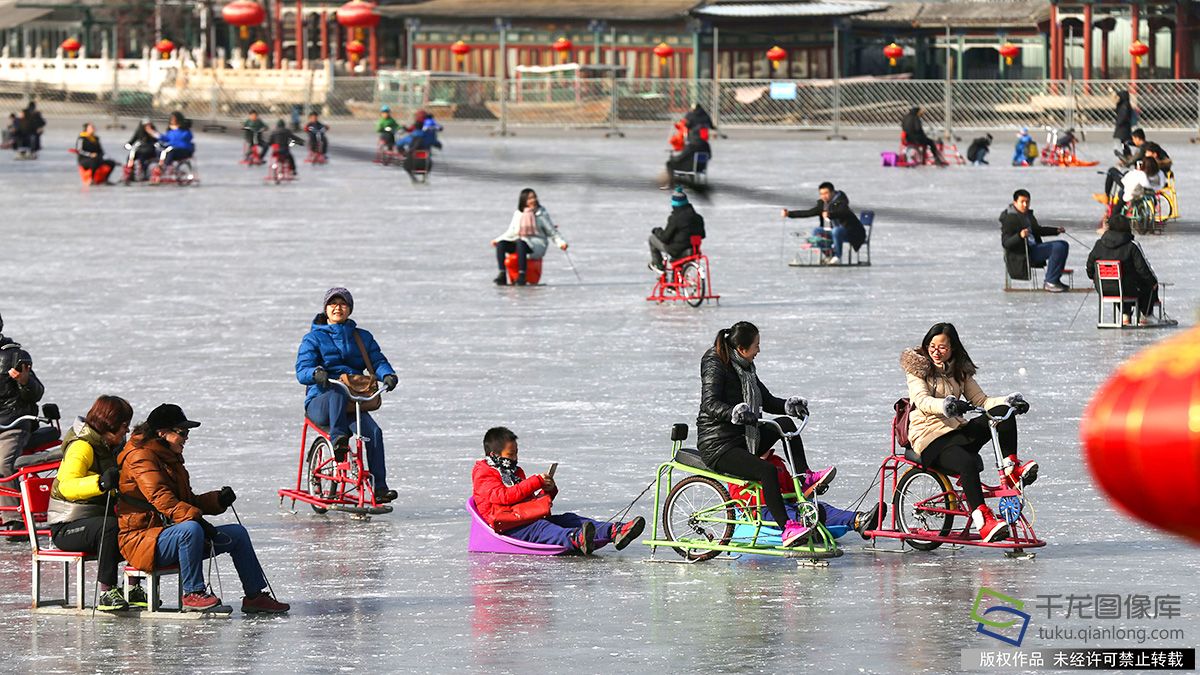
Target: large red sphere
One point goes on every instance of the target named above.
(1139, 49)
(1141, 435)
(460, 48)
(243, 13)
(664, 51)
(70, 45)
(358, 14)
(776, 54)
(1009, 50)
(562, 44)
(259, 47)
(165, 46)
(356, 48)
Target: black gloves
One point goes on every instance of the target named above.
(210, 531)
(390, 381)
(109, 479)
(226, 497)
(1018, 403)
(320, 376)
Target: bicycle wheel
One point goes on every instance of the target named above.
(693, 288)
(919, 485)
(317, 466)
(689, 504)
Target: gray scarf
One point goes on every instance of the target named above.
(750, 394)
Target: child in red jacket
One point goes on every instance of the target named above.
(519, 506)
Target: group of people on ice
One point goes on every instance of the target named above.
(23, 132)
(146, 147)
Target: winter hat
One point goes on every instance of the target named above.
(678, 198)
(337, 291)
(169, 416)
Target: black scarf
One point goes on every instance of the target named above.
(506, 467)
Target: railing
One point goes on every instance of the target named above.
(614, 103)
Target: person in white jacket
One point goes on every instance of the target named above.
(528, 235)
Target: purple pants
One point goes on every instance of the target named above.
(557, 530)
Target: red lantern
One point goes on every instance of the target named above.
(1138, 49)
(460, 50)
(355, 49)
(358, 14)
(1141, 435)
(1008, 50)
(243, 14)
(893, 52)
(165, 47)
(71, 47)
(563, 46)
(259, 48)
(664, 51)
(775, 55)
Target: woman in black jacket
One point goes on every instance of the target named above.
(1137, 278)
(729, 438)
(91, 155)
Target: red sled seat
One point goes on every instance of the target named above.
(533, 269)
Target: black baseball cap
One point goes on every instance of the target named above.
(169, 416)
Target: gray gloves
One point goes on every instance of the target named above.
(1017, 402)
(796, 406)
(954, 407)
(741, 414)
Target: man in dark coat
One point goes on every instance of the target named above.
(1123, 127)
(20, 391)
(914, 134)
(1137, 278)
(834, 210)
(1021, 237)
(676, 239)
(686, 159)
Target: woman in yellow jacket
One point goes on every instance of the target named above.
(83, 490)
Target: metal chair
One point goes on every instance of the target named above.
(1031, 276)
(854, 257)
(35, 501)
(699, 173)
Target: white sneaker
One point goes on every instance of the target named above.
(1148, 320)
(834, 261)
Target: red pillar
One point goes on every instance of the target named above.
(1087, 41)
(1135, 33)
(374, 51)
(278, 51)
(1181, 43)
(1054, 45)
(300, 43)
(324, 36)
(1103, 54)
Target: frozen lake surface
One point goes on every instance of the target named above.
(200, 296)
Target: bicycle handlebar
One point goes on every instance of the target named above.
(362, 399)
(783, 434)
(975, 409)
(19, 420)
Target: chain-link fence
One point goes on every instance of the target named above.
(618, 102)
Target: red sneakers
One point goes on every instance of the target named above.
(263, 603)
(989, 528)
(1020, 473)
(624, 534)
(583, 539)
(200, 602)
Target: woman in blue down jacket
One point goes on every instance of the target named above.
(328, 351)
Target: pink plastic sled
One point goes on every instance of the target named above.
(486, 540)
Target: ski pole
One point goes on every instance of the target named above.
(572, 264)
(260, 569)
(100, 552)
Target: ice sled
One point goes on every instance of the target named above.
(484, 539)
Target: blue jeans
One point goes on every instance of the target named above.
(328, 410)
(830, 515)
(558, 529)
(833, 247)
(1052, 254)
(183, 544)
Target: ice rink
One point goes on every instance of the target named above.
(200, 296)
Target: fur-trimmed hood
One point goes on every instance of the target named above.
(916, 363)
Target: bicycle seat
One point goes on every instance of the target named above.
(691, 457)
(42, 436)
(52, 455)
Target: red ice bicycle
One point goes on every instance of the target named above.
(688, 279)
(323, 482)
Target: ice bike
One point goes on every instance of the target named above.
(39, 458)
(925, 503)
(700, 520)
(324, 483)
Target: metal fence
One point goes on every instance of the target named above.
(615, 103)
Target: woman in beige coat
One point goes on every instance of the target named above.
(938, 373)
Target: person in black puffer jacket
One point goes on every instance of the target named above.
(91, 155)
(676, 239)
(1123, 126)
(728, 436)
(20, 391)
(1137, 278)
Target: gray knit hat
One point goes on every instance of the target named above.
(339, 291)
